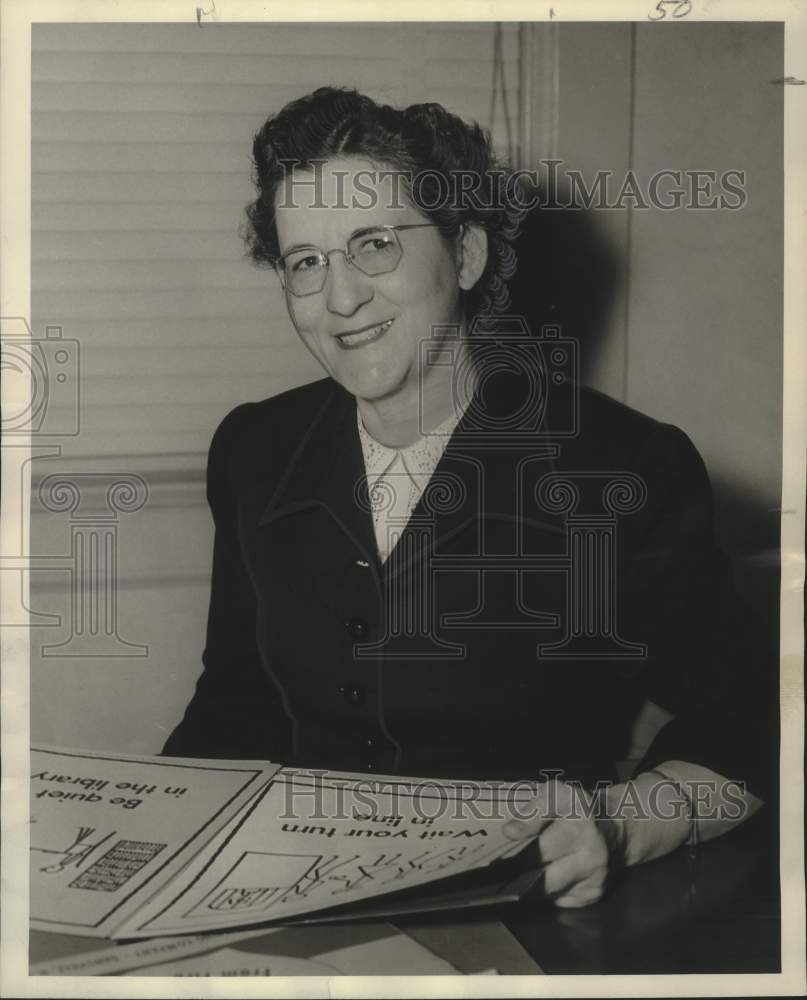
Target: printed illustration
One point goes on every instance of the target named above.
(262, 881)
(76, 852)
(117, 866)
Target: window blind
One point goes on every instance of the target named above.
(140, 173)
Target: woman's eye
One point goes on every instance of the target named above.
(305, 263)
(375, 244)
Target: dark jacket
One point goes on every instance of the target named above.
(299, 597)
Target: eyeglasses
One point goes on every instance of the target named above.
(372, 251)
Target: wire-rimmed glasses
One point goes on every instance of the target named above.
(374, 250)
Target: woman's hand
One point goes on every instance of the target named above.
(581, 841)
(578, 851)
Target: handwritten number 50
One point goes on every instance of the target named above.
(677, 8)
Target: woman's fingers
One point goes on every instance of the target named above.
(570, 881)
(524, 829)
(552, 800)
(570, 845)
(556, 840)
(581, 894)
(562, 874)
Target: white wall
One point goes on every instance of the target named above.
(705, 301)
(695, 332)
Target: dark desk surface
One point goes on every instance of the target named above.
(719, 916)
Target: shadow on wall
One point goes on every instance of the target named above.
(571, 275)
(568, 275)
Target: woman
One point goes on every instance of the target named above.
(398, 545)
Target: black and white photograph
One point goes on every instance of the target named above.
(403, 499)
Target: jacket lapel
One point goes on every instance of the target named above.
(327, 471)
(475, 480)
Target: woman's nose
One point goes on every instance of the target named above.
(346, 288)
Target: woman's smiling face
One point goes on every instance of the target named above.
(366, 331)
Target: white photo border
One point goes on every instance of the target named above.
(15, 300)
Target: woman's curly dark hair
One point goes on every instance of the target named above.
(430, 147)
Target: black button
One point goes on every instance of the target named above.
(357, 627)
(352, 693)
(370, 749)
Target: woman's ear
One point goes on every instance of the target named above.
(472, 255)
